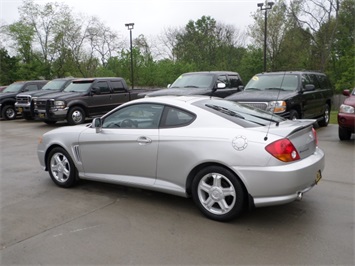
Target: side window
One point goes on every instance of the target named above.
(324, 82)
(314, 81)
(117, 86)
(31, 87)
(224, 79)
(234, 81)
(104, 88)
(135, 116)
(174, 117)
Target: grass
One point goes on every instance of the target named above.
(333, 117)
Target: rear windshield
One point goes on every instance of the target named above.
(79, 86)
(287, 82)
(241, 114)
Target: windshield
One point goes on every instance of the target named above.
(78, 86)
(241, 114)
(54, 85)
(194, 81)
(288, 82)
(15, 87)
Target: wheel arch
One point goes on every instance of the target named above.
(49, 150)
(249, 202)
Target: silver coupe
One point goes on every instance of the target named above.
(227, 156)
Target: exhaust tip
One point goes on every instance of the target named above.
(299, 196)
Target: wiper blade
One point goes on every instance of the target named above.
(225, 110)
(191, 86)
(252, 89)
(276, 89)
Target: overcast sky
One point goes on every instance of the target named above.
(150, 17)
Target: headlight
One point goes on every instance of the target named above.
(277, 106)
(346, 109)
(59, 104)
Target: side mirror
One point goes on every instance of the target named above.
(168, 86)
(309, 87)
(346, 92)
(95, 90)
(221, 85)
(97, 124)
(240, 88)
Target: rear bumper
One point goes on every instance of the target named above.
(275, 185)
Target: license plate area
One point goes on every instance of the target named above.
(318, 176)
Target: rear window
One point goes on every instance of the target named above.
(240, 114)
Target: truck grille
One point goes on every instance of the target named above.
(41, 104)
(23, 99)
(261, 106)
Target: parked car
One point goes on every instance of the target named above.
(346, 116)
(8, 96)
(246, 157)
(291, 94)
(84, 98)
(25, 101)
(216, 83)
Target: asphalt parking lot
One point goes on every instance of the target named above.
(98, 224)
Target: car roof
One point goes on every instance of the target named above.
(172, 99)
(211, 72)
(298, 72)
(100, 78)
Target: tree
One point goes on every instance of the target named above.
(10, 64)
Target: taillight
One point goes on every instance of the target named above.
(283, 150)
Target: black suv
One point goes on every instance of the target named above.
(291, 94)
(8, 96)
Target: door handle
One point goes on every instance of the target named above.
(144, 140)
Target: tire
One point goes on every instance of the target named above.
(326, 117)
(344, 134)
(61, 168)
(293, 115)
(8, 112)
(76, 116)
(50, 122)
(218, 193)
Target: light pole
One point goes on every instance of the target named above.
(130, 28)
(267, 6)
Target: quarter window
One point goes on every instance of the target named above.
(175, 117)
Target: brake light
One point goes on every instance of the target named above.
(283, 150)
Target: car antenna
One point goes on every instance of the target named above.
(277, 98)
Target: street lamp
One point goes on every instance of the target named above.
(130, 28)
(267, 6)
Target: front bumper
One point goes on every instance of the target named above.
(347, 121)
(52, 114)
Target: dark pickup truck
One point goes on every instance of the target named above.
(216, 83)
(8, 96)
(84, 98)
(25, 101)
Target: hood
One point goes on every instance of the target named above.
(38, 93)
(4, 95)
(62, 95)
(180, 92)
(261, 96)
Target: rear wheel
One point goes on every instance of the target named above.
(8, 112)
(326, 117)
(61, 168)
(218, 193)
(344, 134)
(76, 116)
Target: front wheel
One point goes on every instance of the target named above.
(61, 168)
(218, 193)
(8, 112)
(76, 116)
(293, 115)
(326, 117)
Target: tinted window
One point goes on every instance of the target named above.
(234, 81)
(223, 78)
(117, 86)
(313, 80)
(31, 87)
(104, 88)
(323, 82)
(175, 117)
(135, 116)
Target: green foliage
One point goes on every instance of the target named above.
(8, 68)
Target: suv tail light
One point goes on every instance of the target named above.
(283, 150)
